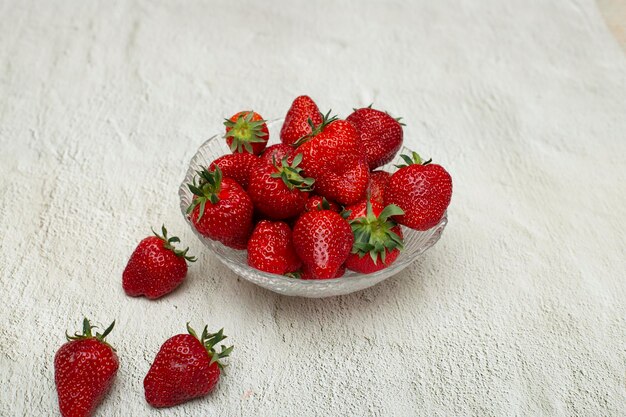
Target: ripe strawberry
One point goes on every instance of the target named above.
(156, 267)
(247, 131)
(377, 239)
(84, 370)
(422, 190)
(380, 134)
(280, 191)
(346, 187)
(277, 152)
(270, 248)
(323, 240)
(317, 202)
(221, 210)
(378, 183)
(185, 367)
(332, 146)
(237, 166)
(296, 123)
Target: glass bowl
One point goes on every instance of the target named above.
(415, 242)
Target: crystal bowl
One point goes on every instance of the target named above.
(415, 242)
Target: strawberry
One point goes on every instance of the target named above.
(84, 370)
(296, 123)
(270, 248)
(422, 190)
(378, 183)
(380, 134)
(221, 210)
(246, 131)
(156, 267)
(347, 187)
(307, 274)
(280, 191)
(317, 202)
(277, 152)
(237, 166)
(185, 367)
(323, 240)
(377, 238)
(332, 146)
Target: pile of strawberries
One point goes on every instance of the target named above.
(310, 207)
(317, 203)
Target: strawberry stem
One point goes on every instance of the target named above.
(207, 189)
(315, 130)
(87, 333)
(292, 174)
(374, 235)
(244, 131)
(168, 244)
(209, 341)
(414, 159)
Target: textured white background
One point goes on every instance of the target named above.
(519, 310)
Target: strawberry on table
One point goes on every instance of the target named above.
(156, 267)
(277, 152)
(323, 240)
(378, 183)
(237, 166)
(317, 202)
(346, 187)
(246, 131)
(270, 248)
(221, 210)
(422, 190)
(377, 238)
(279, 191)
(186, 367)
(296, 123)
(380, 134)
(84, 370)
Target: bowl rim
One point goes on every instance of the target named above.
(282, 279)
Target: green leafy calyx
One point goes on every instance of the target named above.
(168, 244)
(373, 235)
(205, 188)
(210, 341)
(87, 333)
(244, 131)
(291, 174)
(316, 129)
(414, 159)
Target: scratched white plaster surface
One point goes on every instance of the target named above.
(519, 310)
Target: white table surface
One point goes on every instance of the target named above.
(519, 309)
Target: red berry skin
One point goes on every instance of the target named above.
(84, 371)
(271, 196)
(347, 187)
(380, 134)
(237, 166)
(423, 192)
(180, 372)
(257, 147)
(307, 274)
(230, 220)
(378, 183)
(153, 270)
(337, 146)
(270, 248)
(296, 123)
(315, 203)
(365, 264)
(277, 152)
(323, 240)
